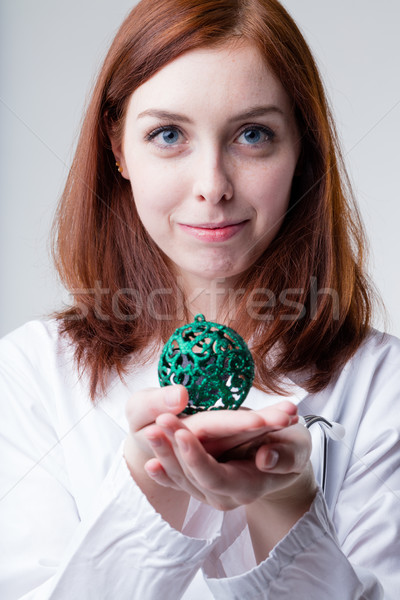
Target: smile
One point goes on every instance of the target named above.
(214, 232)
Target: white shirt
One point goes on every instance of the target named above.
(74, 525)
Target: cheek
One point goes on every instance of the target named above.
(147, 193)
(155, 189)
(271, 188)
(156, 199)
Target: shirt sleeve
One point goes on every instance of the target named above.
(307, 563)
(121, 548)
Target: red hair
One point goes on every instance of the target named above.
(112, 267)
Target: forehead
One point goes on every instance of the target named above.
(234, 76)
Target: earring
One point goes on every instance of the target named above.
(120, 169)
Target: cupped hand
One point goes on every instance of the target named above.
(230, 458)
(141, 411)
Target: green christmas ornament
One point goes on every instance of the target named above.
(212, 361)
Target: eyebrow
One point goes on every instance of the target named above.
(256, 111)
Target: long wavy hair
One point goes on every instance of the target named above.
(310, 298)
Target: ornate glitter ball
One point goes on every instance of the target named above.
(212, 361)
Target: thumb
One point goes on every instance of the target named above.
(144, 406)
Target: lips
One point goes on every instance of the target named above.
(214, 232)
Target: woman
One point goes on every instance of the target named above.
(206, 179)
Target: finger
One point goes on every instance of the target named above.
(225, 423)
(144, 406)
(170, 424)
(225, 486)
(286, 406)
(283, 414)
(247, 444)
(156, 471)
(200, 466)
(289, 456)
(167, 469)
(221, 431)
(176, 468)
(244, 442)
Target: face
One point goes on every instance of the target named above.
(210, 147)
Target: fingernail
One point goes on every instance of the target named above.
(182, 444)
(155, 442)
(172, 396)
(150, 472)
(271, 460)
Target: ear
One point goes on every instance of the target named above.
(117, 149)
(119, 156)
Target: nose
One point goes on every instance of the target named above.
(212, 182)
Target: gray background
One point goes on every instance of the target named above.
(49, 54)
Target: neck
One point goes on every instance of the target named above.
(214, 299)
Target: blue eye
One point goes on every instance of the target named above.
(165, 136)
(252, 136)
(170, 136)
(255, 135)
